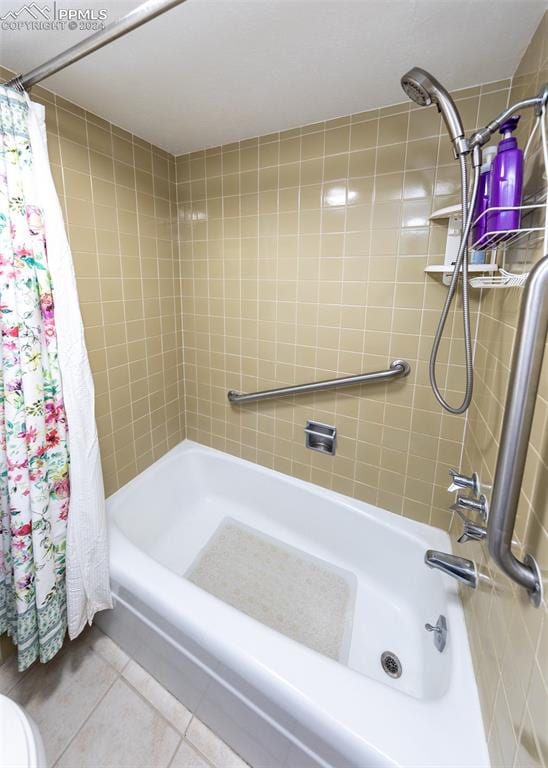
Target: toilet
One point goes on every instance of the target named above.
(21, 745)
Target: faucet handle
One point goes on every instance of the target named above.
(464, 481)
(471, 531)
(476, 505)
(440, 632)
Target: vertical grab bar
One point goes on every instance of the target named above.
(516, 429)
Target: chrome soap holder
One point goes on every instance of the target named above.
(320, 437)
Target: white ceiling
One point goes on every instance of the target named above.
(214, 71)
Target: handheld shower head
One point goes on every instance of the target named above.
(424, 90)
(415, 84)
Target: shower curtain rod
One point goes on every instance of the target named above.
(140, 15)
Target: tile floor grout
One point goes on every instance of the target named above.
(177, 748)
(192, 745)
(101, 699)
(120, 676)
(182, 733)
(112, 659)
(193, 748)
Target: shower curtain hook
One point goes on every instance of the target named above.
(17, 83)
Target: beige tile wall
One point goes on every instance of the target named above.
(509, 638)
(118, 196)
(302, 258)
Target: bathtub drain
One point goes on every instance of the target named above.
(391, 664)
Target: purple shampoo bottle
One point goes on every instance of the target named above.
(506, 181)
(482, 200)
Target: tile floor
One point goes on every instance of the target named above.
(97, 708)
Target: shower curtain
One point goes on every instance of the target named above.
(53, 547)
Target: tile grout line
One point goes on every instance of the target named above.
(149, 702)
(177, 747)
(191, 744)
(94, 708)
(181, 733)
(119, 677)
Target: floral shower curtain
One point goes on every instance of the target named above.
(34, 459)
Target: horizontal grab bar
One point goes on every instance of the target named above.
(398, 369)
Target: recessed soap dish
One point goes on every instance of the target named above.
(320, 437)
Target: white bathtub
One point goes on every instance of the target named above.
(276, 702)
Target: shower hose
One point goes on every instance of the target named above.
(461, 261)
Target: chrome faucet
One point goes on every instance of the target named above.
(459, 568)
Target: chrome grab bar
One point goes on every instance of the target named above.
(516, 429)
(398, 369)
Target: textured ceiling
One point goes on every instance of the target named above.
(214, 71)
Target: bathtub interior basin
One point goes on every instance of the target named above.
(395, 593)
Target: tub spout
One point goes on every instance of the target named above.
(459, 568)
